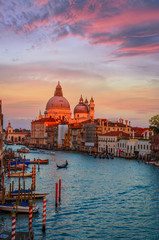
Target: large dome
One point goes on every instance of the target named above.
(58, 101)
(81, 107)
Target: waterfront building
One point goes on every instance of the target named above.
(107, 141)
(16, 136)
(1, 142)
(105, 125)
(120, 143)
(74, 136)
(134, 147)
(155, 146)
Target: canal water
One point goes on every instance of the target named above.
(101, 199)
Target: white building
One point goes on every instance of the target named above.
(119, 142)
(107, 142)
(62, 130)
(130, 146)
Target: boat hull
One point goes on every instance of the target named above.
(20, 174)
(20, 209)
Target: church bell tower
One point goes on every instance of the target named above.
(91, 108)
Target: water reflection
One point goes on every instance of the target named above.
(101, 199)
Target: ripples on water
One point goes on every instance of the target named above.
(101, 199)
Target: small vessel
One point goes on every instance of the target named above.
(23, 150)
(52, 153)
(18, 167)
(21, 208)
(26, 162)
(63, 165)
(46, 161)
(36, 194)
(42, 151)
(20, 174)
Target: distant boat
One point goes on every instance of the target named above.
(52, 153)
(42, 151)
(23, 150)
(63, 165)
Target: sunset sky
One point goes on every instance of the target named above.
(108, 49)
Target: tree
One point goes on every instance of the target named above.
(154, 124)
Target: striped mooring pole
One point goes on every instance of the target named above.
(30, 218)
(44, 213)
(13, 222)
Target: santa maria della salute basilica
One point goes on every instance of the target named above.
(58, 117)
(58, 108)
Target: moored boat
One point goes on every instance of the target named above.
(22, 208)
(36, 194)
(23, 150)
(46, 161)
(20, 174)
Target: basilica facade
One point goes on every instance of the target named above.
(58, 112)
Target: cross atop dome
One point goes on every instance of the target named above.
(81, 99)
(58, 90)
(92, 100)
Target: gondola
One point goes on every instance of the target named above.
(63, 165)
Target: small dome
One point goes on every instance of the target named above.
(81, 107)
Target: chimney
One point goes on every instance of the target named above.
(126, 122)
(107, 122)
(148, 135)
(133, 134)
(129, 123)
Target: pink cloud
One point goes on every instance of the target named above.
(100, 22)
(40, 2)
